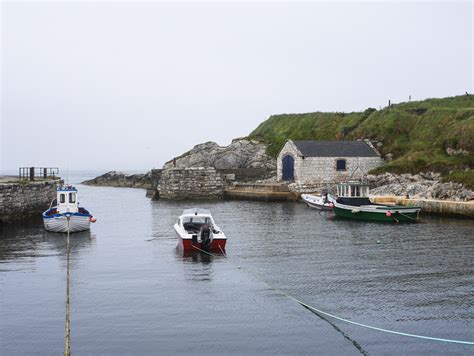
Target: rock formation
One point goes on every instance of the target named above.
(120, 179)
(423, 185)
(241, 153)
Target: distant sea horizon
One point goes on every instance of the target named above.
(76, 176)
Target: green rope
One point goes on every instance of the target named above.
(321, 312)
(409, 217)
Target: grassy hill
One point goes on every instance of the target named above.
(418, 134)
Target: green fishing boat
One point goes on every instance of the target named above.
(353, 202)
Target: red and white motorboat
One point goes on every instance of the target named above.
(197, 230)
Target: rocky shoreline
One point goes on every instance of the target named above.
(124, 180)
(246, 161)
(419, 186)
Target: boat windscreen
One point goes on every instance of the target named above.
(196, 211)
(197, 219)
(354, 201)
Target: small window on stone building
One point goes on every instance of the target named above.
(341, 165)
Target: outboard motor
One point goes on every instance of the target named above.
(205, 237)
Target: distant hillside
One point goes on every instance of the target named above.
(430, 135)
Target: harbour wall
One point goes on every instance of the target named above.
(200, 182)
(260, 192)
(191, 183)
(22, 200)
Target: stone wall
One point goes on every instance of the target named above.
(155, 177)
(248, 174)
(191, 183)
(322, 170)
(19, 201)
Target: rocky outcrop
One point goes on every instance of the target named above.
(423, 185)
(241, 153)
(120, 179)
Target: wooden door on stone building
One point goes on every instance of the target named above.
(288, 168)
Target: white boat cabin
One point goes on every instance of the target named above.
(353, 190)
(67, 200)
(193, 219)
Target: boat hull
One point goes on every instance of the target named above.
(187, 245)
(317, 202)
(370, 213)
(59, 223)
(322, 207)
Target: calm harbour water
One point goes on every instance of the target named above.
(133, 293)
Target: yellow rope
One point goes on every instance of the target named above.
(67, 347)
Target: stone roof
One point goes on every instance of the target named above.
(335, 149)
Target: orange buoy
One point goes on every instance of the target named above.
(92, 219)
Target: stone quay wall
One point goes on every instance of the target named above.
(191, 183)
(19, 201)
(248, 174)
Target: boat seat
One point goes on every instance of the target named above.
(192, 227)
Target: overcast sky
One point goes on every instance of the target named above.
(127, 85)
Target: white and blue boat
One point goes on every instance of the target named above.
(65, 214)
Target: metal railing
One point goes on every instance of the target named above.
(32, 173)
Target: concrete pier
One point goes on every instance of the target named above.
(432, 206)
(260, 192)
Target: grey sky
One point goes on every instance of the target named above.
(129, 85)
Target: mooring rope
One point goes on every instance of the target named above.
(67, 347)
(370, 326)
(320, 312)
(409, 217)
(222, 251)
(203, 251)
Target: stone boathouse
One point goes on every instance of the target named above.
(325, 162)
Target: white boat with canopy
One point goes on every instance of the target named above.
(197, 230)
(65, 214)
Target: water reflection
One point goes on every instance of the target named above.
(198, 266)
(409, 277)
(194, 256)
(78, 241)
(28, 241)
